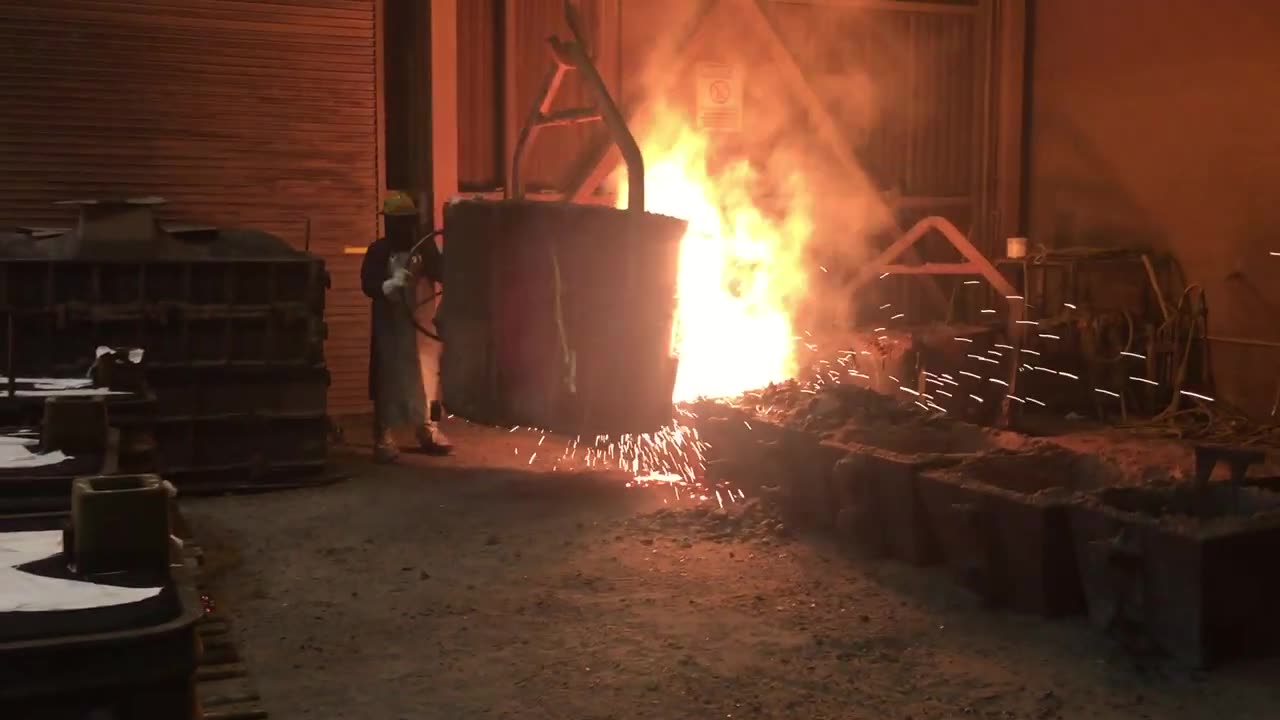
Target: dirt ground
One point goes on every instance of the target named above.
(486, 585)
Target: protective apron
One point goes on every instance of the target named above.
(404, 363)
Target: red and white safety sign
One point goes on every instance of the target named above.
(719, 88)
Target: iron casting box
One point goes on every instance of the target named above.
(120, 523)
(874, 496)
(1200, 587)
(1003, 529)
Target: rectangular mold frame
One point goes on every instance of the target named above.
(1013, 549)
(1204, 595)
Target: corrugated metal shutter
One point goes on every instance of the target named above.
(252, 113)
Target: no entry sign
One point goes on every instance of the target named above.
(719, 88)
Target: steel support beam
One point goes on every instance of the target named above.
(510, 87)
(444, 108)
(380, 108)
(1010, 48)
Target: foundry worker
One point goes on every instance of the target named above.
(399, 275)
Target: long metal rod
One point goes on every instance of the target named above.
(1155, 286)
(984, 211)
(1249, 342)
(933, 8)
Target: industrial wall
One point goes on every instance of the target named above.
(240, 113)
(925, 62)
(1153, 122)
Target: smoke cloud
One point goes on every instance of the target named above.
(829, 218)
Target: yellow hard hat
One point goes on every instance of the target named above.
(398, 202)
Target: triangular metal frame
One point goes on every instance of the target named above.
(975, 262)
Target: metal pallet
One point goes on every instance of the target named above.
(224, 690)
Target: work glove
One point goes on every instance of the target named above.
(398, 281)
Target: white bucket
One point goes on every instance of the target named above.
(1016, 248)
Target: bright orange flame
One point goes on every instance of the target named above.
(739, 268)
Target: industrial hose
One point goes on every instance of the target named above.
(411, 309)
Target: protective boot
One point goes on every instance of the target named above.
(384, 446)
(432, 441)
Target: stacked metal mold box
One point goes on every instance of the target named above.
(231, 324)
(1171, 565)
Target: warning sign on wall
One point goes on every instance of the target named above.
(719, 96)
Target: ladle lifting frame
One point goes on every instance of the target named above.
(559, 315)
(568, 56)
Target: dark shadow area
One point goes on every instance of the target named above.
(1083, 183)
